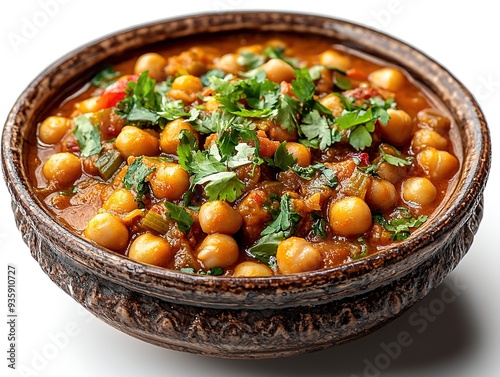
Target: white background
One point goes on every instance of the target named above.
(459, 338)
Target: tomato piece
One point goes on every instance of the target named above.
(115, 92)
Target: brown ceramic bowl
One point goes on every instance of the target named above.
(243, 317)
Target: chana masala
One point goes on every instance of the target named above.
(246, 155)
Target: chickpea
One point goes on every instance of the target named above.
(390, 172)
(350, 216)
(89, 105)
(428, 138)
(228, 63)
(300, 152)
(438, 164)
(212, 104)
(278, 133)
(277, 70)
(132, 141)
(334, 59)
(434, 119)
(418, 190)
(151, 249)
(381, 194)
(62, 169)
(107, 230)
(120, 201)
(169, 181)
(387, 78)
(53, 128)
(252, 269)
(219, 217)
(169, 137)
(332, 103)
(295, 255)
(399, 129)
(186, 88)
(153, 63)
(218, 250)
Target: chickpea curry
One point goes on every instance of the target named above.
(252, 156)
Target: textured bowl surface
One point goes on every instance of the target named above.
(249, 318)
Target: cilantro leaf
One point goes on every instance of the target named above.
(286, 221)
(400, 227)
(360, 138)
(276, 52)
(279, 229)
(282, 159)
(317, 129)
(145, 101)
(266, 247)
(288, 110)
(250, 60)
(180, 215)
(105, 77)
(360, 120)
(223, 186)
(205, 79)
(135, 178)
(396, 160)
(87, 135)
(303, 86)
(319, 224)
(309, 171)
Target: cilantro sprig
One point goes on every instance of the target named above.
(87, 135)
(360, 120)
(180, 215)
(395, 159)
(135, 178)
(206, 168)
(282, 227)
(146, 102)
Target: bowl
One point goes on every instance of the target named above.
(243, 317)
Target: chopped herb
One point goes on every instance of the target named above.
(266, 247)
(214, 271)
(105, 77)
(396, 160)
(318, 130)
(145, 102)
(282, 227)
(279, 53)
(207, 169)
(250, 60)
(222, 186)
(319, 224)
(288, 111)
(87, 135)
(282, 159)
(286, 221)
(362, 251)
(400, 226)
(180, 215)
(260, 94)
(205, 79)
(135, 178)
(309, 171)
(360, 120)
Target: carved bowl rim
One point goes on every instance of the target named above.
(269, 292)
